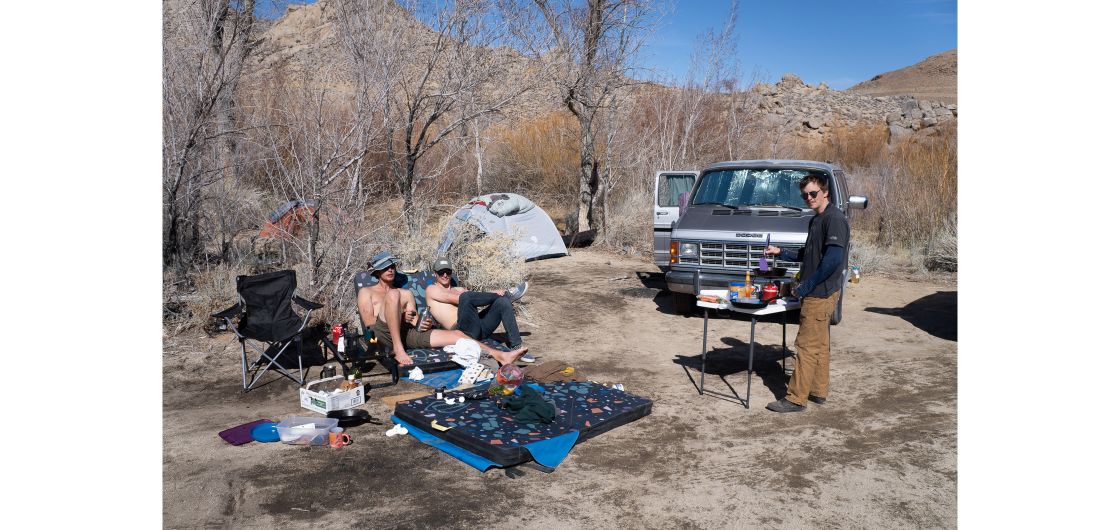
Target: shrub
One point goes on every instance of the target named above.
(486, 262)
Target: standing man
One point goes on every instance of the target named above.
(822, 274)
(391, 312)
(458, 308)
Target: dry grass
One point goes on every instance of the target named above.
(912, 187)
(629, 230)
(538, 159)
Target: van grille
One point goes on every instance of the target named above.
(736, 256)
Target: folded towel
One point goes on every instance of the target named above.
(466, 352)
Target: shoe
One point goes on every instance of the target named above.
(517, 292)
(785, 405)
(527, 358)
(817, 400)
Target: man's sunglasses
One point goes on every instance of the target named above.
(813, 194)
(444, 272)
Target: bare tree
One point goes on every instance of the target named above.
(314, 142)
(590, 47)
(437, 78)
(206, 43)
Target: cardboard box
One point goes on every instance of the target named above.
(314, 397)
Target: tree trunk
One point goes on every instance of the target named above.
(588, 178)
(478, 158)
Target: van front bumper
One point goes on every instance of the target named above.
(685, 281)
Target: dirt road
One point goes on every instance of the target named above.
(881, 454)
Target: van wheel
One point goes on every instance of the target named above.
(684, 303)
(836, 313)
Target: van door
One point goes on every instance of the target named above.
(667, 188)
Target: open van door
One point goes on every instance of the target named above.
(667, 188)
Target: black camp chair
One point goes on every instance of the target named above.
(265, 308)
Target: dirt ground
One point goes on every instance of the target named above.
(881, 453)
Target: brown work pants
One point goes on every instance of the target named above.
(810, 372)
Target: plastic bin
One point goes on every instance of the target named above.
(317, 435)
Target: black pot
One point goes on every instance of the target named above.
(352, 417)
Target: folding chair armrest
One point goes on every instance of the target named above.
(306, 304)
(229, 312)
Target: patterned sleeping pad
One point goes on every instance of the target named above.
(484, 429)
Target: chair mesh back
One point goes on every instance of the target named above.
(268, 305)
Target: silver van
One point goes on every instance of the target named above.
(730, 211)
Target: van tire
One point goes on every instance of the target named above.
(684, 303)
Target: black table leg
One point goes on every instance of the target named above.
(704, 352)
(750, 362)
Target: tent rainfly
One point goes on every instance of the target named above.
(509, 213)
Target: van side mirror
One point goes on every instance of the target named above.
(858, 201)
(682, 203)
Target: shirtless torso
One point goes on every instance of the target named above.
(446, 313)
(397, 308)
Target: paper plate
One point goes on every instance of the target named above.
(265, 432)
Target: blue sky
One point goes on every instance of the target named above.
(839, 42)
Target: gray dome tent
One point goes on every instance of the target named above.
(509, 213)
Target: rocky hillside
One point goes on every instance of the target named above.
(810, 111)
(914, 100)
(932, 79)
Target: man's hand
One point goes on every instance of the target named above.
(771, 250)
(410, 316)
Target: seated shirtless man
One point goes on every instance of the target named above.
(391, 312)
(458, 308)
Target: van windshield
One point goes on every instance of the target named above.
(752, 187)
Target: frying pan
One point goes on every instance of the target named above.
(771, 272)
(750, 305)
(352, 417)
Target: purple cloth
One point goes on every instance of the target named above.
(241, 434)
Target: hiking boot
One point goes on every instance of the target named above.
(516, 293)
(816, 399)
(785, 405)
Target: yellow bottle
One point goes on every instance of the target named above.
(748, 289)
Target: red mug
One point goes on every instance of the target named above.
(338, 439)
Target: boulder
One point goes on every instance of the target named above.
(893, 118)
(928, 122)
(924, 105)
(897, 133)
(814, 122)
(791, 80)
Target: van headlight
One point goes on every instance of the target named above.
(689, 250)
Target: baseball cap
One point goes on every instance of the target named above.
(441, 264)
(383, 260)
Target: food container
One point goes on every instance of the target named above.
(320, 395)
(735, 290)
(292, 432)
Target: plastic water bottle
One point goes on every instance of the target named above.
(342, 343)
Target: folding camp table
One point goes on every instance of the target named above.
(781, 306)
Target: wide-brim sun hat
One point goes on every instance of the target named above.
(383, 260)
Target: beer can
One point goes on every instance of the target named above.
(336, 332)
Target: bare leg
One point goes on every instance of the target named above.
(391, 312)
(443, 337)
